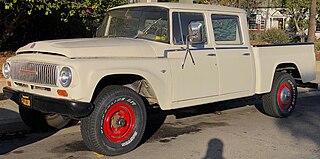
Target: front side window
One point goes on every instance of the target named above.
(181, 21)
(226, 29)
(149, 23)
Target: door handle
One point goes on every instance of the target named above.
(246, 54)
(211, 54)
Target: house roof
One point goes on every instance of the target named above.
(277, 14)
(186, 6)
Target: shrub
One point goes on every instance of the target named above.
(317, 45)
(275, 36)
(255, 36)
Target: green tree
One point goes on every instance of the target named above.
(14, 13)
(298, 11)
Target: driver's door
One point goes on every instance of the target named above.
(194, 81)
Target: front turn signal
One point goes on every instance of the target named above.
(62, 93)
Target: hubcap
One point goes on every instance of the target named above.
(285, 95)
(118, 122)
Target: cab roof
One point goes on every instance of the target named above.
(185, 6)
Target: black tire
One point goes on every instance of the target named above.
(282, 99)
(117, 122)
(44, 122)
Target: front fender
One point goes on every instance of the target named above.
(156, 71)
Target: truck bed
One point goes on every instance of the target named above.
(269, 57)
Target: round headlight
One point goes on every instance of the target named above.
(6, 69)
(65, 76)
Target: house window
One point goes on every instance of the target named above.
(252, 24)
(263, 24)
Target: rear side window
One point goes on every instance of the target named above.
(181, 21)
(226, 29)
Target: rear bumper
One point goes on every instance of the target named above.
(52, 105)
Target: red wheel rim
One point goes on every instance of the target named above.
(118, 122)
(285, 95)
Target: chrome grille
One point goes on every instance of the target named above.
(39, 73)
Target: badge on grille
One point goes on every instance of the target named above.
(32, 45)
(28, 72)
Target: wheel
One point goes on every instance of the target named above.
(117, 122)
(44, 122)
(281, 101)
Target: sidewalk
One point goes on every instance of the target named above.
(10, 120)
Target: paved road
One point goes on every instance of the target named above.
(197, 133)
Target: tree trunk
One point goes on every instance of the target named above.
(299, 30)
(302, 37)
(312, 21)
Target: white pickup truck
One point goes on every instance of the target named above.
(169, 55)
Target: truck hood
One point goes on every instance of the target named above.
(92, 47)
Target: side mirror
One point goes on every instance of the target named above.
(195, 32)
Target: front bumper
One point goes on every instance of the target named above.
(52, 105)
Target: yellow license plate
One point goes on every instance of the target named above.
(26, 100)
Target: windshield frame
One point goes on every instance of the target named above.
(104, 28)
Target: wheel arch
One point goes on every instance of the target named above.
(287, 67)
(290, 68)
(145, 85)
(266, 77)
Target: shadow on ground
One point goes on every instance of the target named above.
(156, 130)
(2, 97)
(10, 142)
(11, 122)
(215, 149)
(304, 123)
(14, 133)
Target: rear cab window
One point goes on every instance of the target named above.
(226, 29)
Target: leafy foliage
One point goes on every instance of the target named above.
(85, 8)
(14, 13)
(275, 36)
(271, 36)
(317, 45)
(255, 36)
(298, 11)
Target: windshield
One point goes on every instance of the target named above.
(137, 22)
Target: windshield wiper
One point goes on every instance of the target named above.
(145, 30)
